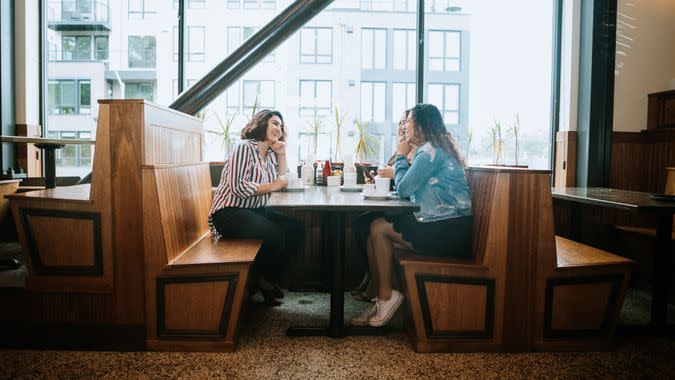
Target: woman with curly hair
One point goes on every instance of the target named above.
(443, 227)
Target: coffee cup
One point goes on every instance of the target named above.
(369, 189)
(333, 180)
(295, 183)
(382, 185)
(349, 180)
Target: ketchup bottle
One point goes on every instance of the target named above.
(326, 172)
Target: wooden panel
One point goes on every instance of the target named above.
(565, 159)
(457, 307)
(171, 137)
(639, 159)
(126, 125)
(661, 110)
(73, 194)
(206, 251)
(73, 237)
(184, 199)
(581, 306)
(28, 156)
(573, 254)
(195, 306)
(7, 227)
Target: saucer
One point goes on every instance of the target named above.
(292, 189)
(351, 189)
(377, 197)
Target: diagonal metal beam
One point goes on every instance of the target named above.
(247, 55)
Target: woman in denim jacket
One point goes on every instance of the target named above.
(444, 225)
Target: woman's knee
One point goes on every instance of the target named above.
(379, 227)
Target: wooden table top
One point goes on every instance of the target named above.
(615, 198)
(41, 140)
(76, 193)
(322, 198)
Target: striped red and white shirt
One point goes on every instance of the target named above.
(243, 172)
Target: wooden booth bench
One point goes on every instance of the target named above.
(525, 289)
(126, 261)
(194, 286)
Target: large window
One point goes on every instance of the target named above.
(373, 100)
(194, 44)
(374, 49)
(101, 47)
(405, 54)
(316, 45)
(444, 50)
(403, 98)
(76, 48)
(139, 91)
(140, 9)
(142, 52)
(72, 155)
(315, 97)
(69, 96)
(258, 94)
(446, 98)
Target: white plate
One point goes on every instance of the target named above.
(351, 189)
(379, 197)
(294, 189)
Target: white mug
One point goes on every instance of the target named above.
(294, 183)
(369, 188)
(349, 179)
(382, 185)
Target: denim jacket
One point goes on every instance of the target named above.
(436, 182)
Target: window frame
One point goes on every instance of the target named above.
(315, 110)
(442, 107)
(445, 57)
(373, 39)
(143, 12)
(77, 104)
(315, 46)
(145, 52)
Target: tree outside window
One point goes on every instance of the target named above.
(139, 91)
(142, 52)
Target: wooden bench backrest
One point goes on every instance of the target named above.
(510, 206)
(179, 198)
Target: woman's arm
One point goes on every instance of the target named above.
(241, 163)
(410, 178)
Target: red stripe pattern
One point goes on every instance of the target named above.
(243, 172)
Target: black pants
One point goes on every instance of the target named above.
(280, 235)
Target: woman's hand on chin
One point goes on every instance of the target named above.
(279, 147)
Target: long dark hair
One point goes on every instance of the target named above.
(256, 129)
(428, 122)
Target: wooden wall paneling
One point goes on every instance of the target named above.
(171, 137)
(125, 129)
(28, 156)
(7, 226)
(628, 161)
(565, 159)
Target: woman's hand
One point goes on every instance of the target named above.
(279, 147)
(279, 184)
(386, 172)
(369, 178)
(403, 148)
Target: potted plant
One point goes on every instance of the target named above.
(498, 145)
(339, 120)
(365, 148)
(315, 126)
(515, 130)
(224, 133)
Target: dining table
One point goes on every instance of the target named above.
(333, 204)
(661, 208)
(49, 146)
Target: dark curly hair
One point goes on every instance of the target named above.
(256, 129)
(428, 122)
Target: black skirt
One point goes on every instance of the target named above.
(451, 237)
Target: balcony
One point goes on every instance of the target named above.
(78, 15)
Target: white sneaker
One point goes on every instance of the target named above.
(366, 314)
(384, 310)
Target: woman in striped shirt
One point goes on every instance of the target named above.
(250, 175)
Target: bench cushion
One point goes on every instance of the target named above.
(223, 251)
(571, 254)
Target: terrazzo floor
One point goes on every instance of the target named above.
(264, 352)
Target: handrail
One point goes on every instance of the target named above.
(247, 55)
